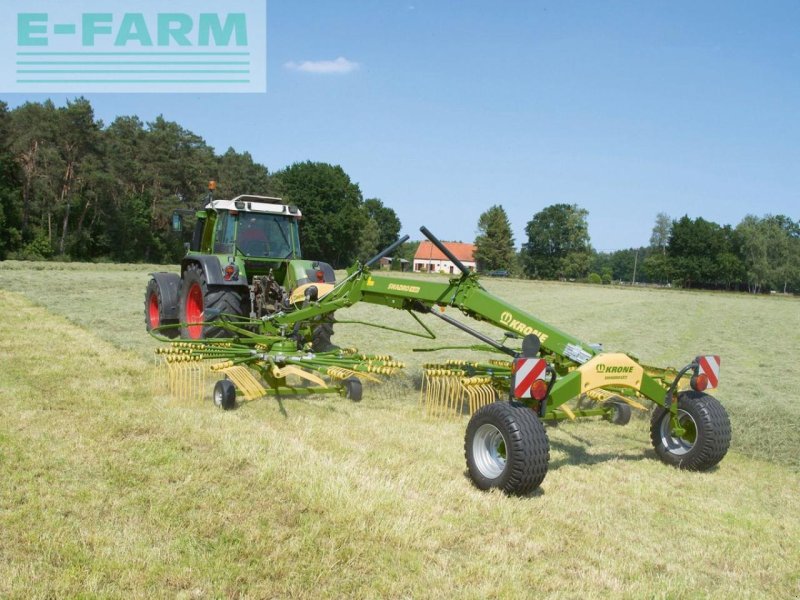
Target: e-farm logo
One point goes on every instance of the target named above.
(111, 46)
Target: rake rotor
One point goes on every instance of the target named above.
(259, 366)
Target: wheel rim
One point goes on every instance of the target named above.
(194, 311)
(218, 395)
(675, 444)
(153, 312)
(489, 451)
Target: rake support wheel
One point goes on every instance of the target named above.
(506, 447)
(224, 394)
(353, 389)
(620, 413)
(706, 436)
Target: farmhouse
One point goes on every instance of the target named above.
(394, 264)
(430, 258)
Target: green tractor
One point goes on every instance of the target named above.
(244, 260)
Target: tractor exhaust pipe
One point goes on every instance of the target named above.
(435, 241)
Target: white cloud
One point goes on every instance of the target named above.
(339, 66)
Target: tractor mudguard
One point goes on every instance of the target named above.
(328, 276)
(212, 269)
(169, 284)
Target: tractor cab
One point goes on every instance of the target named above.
(257, 227)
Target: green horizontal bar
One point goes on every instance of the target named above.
(310, 391)
(84, 71)
(133, 81)
(133, 62)
(198, 53)
(579, 414)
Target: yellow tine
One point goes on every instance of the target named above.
(568, 411)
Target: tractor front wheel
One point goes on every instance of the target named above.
(197, 298)
(704, 435)
(506, 447)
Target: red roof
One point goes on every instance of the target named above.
(463, 252)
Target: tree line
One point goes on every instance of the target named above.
(72, 188)
(760, 254)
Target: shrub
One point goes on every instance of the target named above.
(38, 249)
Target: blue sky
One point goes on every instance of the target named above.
(442, 109)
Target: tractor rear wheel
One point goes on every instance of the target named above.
(154, 310)
(506, 447)
(706, 432)
(197, 297)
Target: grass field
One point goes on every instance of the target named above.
(108, 488)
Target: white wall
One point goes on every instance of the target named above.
(437, 266)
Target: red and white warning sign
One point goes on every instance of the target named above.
(709, 366)
(526, 371)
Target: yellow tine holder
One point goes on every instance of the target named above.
(245, 381)
(568, 411)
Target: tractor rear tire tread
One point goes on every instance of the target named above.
(321, 338)
(527, 448)
(221, 300)
(226, 301)
(713, 432)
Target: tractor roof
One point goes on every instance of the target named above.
(264, 204)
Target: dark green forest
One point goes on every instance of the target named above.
(73, 188)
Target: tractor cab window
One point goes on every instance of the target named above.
(224, 235)
(267, 236)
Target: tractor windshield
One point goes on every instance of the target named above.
(263, 235)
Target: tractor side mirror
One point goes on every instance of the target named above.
(177, 222)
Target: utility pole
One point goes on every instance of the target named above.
(635, 262)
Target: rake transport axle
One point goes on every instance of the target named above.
(506, 445)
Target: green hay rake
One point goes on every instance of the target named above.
(256, 366)
(545, 376)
